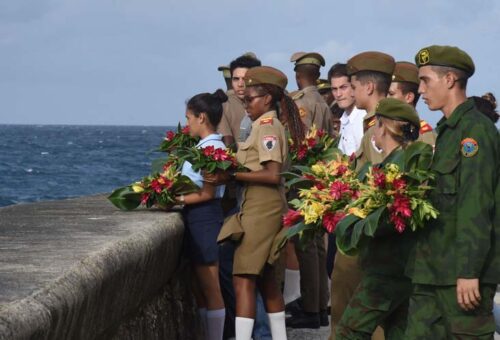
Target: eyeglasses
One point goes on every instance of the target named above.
(249, 99)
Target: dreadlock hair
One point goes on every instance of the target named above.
(288, 112)
(487, 107)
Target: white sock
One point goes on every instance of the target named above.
(215, 324)
(277, 323)
(202, 314)
(292, 285)
(244, 328)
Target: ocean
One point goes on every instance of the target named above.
(50, 162)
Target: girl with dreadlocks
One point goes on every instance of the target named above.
(255, 227)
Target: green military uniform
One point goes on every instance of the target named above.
(257, 224)
(381, 298)
(463, 242)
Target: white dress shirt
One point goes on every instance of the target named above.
(351, 131)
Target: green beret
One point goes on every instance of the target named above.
(250, 55)
(371, 61)
(265, 75)
(226, 71)
(323, 84)
(449, 56)
(304, 58)
(405, 72)
(396, 109)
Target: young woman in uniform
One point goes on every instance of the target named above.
(202, 214)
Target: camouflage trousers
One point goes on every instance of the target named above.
(435, 314)
(378, 300)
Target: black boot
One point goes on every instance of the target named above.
(303, 320)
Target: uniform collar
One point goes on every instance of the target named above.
(213, 136)
(456, 115)
(268, 114)
(310, 88)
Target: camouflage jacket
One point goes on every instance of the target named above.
(463, 242)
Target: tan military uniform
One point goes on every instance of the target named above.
(232, 114)
(259, 220)
(313, 109)
(427, 134)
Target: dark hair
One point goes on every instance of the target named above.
(208, 103)
(308, 70)
(287, 110)
(381, 80)
(407, 87)
(486, 107)
(462, 76)
(338, 70)
(244, 62)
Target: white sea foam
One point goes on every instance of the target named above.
(44, 153)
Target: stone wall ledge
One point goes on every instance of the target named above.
(80, 269)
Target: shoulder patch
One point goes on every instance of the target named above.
(268, 120)
(371, 122)
(298, 95)
(469, 147)
(269, 142)
(302, 112)
(424, 127)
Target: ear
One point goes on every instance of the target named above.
(450, 78)
(203, 117)
(267, 99)
(409, 97)
(370, 87)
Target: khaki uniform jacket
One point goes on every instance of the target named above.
(464, 241)
(232, 114)
(367, 151)
(313, 109)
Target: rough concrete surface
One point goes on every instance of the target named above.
(75, 269)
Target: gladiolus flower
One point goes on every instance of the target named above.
(170, 136)
(311, 142)
(209, 150)
(330, 220)
(379, 178)
(338, 189)
(302, 152)
(401, 205)
(220, 155)
(185, 130)
(291, 218)
(399, 184)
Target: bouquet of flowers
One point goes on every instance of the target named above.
(316, 146)
(158, 189)
(391, 196)
(319, 207)
(209, 159)
(176, 140)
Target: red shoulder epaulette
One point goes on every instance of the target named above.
(266, 121)
(424, 127)
(371, 122)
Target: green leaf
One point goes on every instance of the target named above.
(299, 183)
(373, 221)
(125, 198)
(330, 153)
(343, 233)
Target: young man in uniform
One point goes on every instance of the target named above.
(404, 87)
(325, 90)
(312, 260)
(456, 263)
(370, 76)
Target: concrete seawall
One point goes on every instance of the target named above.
(82, 269)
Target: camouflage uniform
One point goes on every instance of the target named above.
(382, 296)
(463, 242)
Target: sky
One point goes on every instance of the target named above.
(136, 62)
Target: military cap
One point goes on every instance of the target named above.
(323, 84)
(449, 56)
(305, 58)
(405, 72)
(371, 61)
(265, 75)
(393, 108)
(226, 71)
(250, 55)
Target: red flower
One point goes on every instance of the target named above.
(399, 223)
(400, 210)
(379, 178)
(220, 155)
(341, 170)
(185, 130)
(156, 186)
(144, 198)
(291, 218)
(209, 150)
(320, 133)
(309, 177)
(352, 157)
(311, 142)
(170, 136)
(302, 152)
(399, 184)
(338, 189)
(330, 220)
(319, 185)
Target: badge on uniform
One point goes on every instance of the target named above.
(302, 112)
(469, 147)
(269, 142)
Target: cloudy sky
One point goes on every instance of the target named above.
(135, 62)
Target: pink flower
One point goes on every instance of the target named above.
(291, 218)
(338, 189)
(330, 220)
(220, 155)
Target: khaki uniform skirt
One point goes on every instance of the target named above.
(256, 228)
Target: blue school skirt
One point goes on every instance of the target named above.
(203, 222)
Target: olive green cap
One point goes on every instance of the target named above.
(393, 108)
(307, 58)
(449, 56)
(265, 75)
(323, 84)
(371, 61)
(226, 71)
(405, 72)
(250, 55)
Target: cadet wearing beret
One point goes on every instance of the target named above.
(404, 87)
(381, 298)
(312, 260)
(258, 223)
(456, 264)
